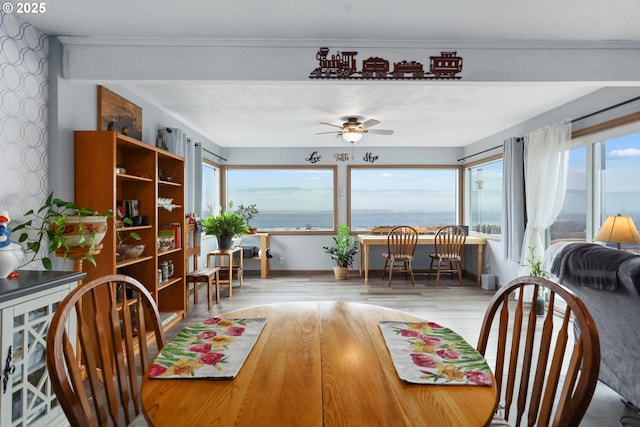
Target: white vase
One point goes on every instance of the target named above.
(10, 257)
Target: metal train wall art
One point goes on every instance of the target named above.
(343, 65)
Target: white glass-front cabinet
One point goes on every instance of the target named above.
(27, 399)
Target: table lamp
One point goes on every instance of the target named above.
(618, 229)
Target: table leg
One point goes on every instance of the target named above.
(230, 255)
(360, 264)
(366, 264)
(479, 279)
(241, 270)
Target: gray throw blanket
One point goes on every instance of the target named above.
(589, 264)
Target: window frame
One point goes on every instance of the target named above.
(217, 196)
(458, 169)
(332, 168)
(466, 173)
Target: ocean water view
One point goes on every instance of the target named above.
(360, 220)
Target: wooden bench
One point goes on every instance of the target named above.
(210, 276)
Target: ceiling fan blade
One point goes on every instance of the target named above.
(333, 131)
(380, 131)
(370, 122)
(331, 124)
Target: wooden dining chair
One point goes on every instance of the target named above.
(96, 363)
(447, 255)
(544, 377)
(208, 276)
(401, 247)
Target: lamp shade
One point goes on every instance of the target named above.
(618, 229)
(351, 135)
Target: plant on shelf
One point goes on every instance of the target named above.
(248, 213)
(123, 248)
(224, 226)
(343, 252)
(68, 227)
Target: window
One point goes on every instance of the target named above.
(571, 224)
(292, 198)
(484, 182)
(416, 196)
(620, 179)
(210, 190)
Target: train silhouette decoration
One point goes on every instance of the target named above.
(343, 65)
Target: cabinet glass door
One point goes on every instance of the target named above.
(32, 399)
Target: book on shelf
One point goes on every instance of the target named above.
(176, 230)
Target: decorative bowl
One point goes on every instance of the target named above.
(130, 251)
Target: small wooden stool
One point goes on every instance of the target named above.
(209, 276)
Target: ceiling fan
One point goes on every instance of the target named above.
(352, 130)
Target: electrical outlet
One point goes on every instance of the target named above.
(281, 260)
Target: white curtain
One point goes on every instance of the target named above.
(513, 207)
(546, 160)
(197, 179)
(193, 178)
(179, 144)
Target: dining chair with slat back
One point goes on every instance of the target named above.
(544, 377)
(96, 366)
(447, 255)
(401, 247)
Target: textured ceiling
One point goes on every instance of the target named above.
(287, 114)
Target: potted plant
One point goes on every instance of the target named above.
(125, 249)
(224, 227)
(535, 269)
(343, 252)
(248, 213)
(68, 228)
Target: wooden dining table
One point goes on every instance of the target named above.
(322, 363)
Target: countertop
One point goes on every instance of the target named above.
(30, 281)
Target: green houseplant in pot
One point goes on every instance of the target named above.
(224, 227)
(343, 252)
(248, 213)
(535, 265)
(67, 227)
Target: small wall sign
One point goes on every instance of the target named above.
(369, 157)
(314, 157)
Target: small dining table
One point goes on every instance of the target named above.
(322, 363)
(367, 240)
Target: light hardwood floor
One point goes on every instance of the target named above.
(460, 308)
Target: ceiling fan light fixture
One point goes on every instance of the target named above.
(351, 135)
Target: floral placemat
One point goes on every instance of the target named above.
(427, 353)
(216, 348)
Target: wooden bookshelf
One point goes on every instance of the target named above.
(98, 185)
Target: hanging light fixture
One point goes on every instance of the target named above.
(351, 135)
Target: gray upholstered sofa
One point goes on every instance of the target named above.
(608, 281)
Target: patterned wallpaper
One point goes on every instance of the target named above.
(24, 92)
